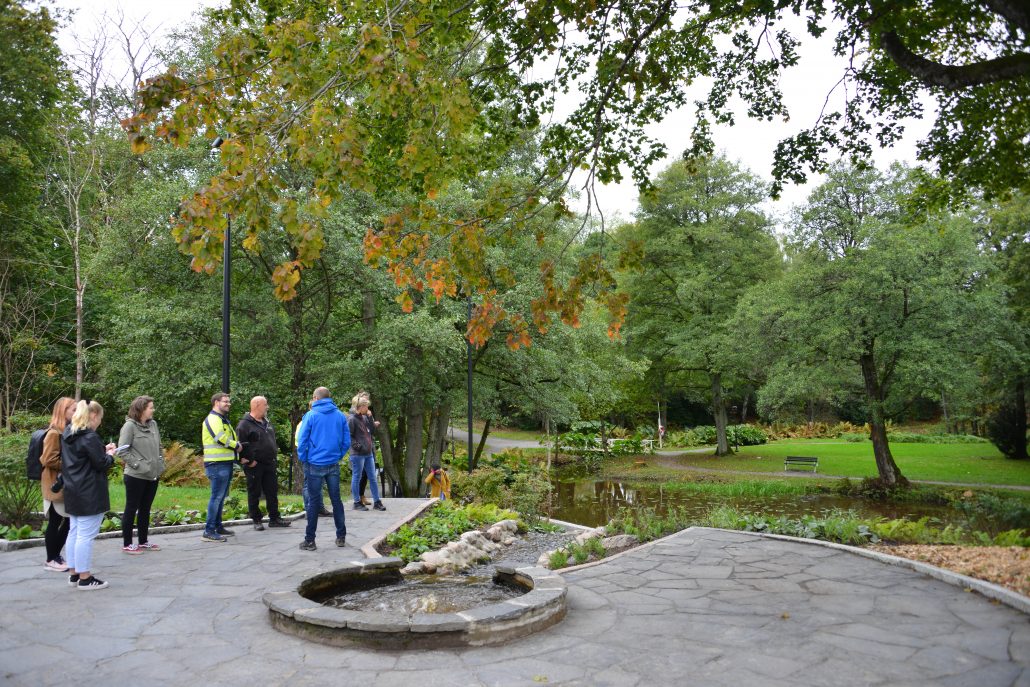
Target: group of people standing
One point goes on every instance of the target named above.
(76, 461)
(323, 438)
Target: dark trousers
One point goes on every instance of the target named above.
(262, 479)
(139, 497)
(56, 533)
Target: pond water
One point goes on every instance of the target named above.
(593, 502)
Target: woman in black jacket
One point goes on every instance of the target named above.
(84, 463)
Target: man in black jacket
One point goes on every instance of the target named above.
(259, 457)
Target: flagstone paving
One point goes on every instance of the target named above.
(703, 607)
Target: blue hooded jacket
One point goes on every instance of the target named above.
(324, 436)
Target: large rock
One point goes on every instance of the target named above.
(415, 568)
(545, 559)
(620, 542)
(589, 534)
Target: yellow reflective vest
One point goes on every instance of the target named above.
(218, 439)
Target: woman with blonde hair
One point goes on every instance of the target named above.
(85, 462)
(362, 451)
(144, 465)
(53, 500)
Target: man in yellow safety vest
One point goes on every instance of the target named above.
(220, 450)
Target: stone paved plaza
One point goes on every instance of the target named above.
(703, 607)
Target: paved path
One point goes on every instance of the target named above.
(704, 607)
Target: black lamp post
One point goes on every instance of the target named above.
(468, 356)
(226, 287)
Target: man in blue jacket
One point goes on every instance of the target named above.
(324, 440)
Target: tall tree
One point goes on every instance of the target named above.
(699, 242)
(899, 296)
(33, 80)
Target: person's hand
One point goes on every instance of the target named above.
(376, 423)
(109, 449)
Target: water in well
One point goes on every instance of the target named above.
(452, 593)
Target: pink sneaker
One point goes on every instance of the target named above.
(150, 547)
(132, 549)
(56, 565)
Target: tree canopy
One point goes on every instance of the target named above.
(418, 96)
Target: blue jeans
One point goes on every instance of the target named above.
(220, 474)
(320, 506)
(81, 533)
(314, 477)
(368, 465)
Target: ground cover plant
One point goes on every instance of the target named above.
(444, 522)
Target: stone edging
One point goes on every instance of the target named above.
(17, 544)
(987, 589)
(369, 548)
(294, 613)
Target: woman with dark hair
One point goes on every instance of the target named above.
(84, 464)
(140, 448)
(53, 501)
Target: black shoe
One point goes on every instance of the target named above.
(342, 541)
(225, 532)
(324, 513)
(259, 527)
(91, 583)
(279, 523)
(307, 545)
(73, 580)
(358, 505)
(379, 506)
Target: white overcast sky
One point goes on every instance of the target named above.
(751, 143)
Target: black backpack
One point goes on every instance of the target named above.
(33, 468)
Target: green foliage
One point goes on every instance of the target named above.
(846, 527)
(558, 559)
(444, 523)
(1005, 512)
(646, 524)
(509, 479)
(20, 497)
(111, 523)
(14, 533)
(1007, 429)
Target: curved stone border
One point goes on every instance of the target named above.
(988, 589)
(16, 544)
(294, 613)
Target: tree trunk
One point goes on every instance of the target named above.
(386, 452)
(439, 421)
(1020, 398)
(411, 480)
(482, 444)
(743, 409)
(811, 413)
(887, 469)
(719, 412)
(944, 409)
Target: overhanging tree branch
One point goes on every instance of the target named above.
(954, 77)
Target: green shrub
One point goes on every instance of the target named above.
(20, 497)
(443, 523)
(646, 524)
(558, 559)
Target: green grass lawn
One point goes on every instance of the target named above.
(979, 463)
(188, 498)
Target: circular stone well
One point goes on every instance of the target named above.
(301, 613)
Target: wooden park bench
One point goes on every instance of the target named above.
(801, 461)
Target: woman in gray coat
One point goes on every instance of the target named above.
(140, 448)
